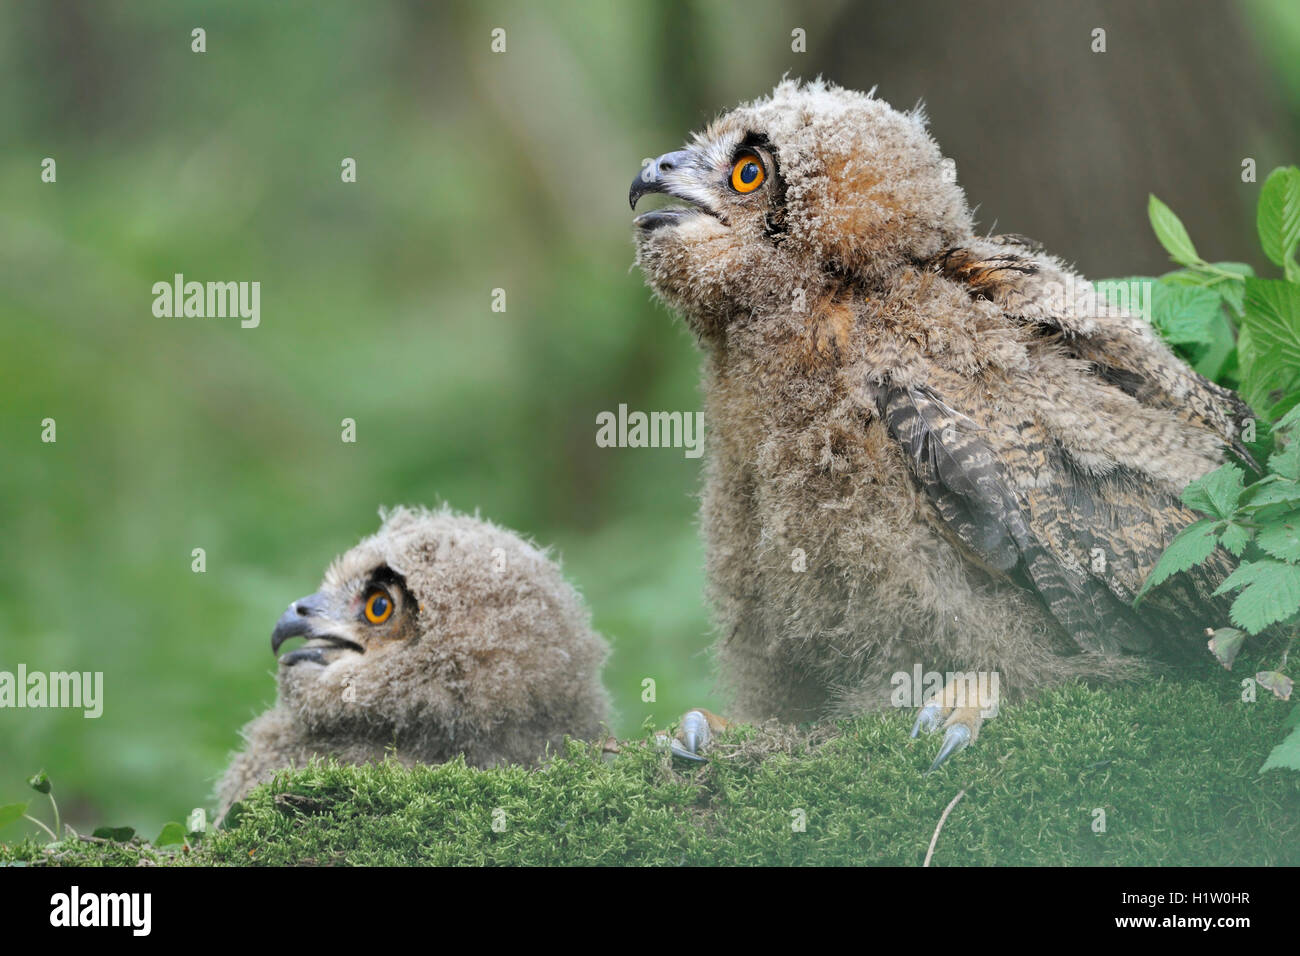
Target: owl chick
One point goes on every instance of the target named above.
(439, 635)
(929, 451)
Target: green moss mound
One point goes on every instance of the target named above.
(1173, 765)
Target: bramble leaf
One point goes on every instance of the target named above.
(1271, 326)
(1270, 592)
(1185, 315)
(1281, 537)
(1278, 217)
(1277, 682)
(1193, 545)
(1286, 755)
(1225, 644)
(1235, 538)
(1172, 234)
(1216, 493)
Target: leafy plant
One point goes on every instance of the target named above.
(173, 834)
(1243, 331)
(13, 812)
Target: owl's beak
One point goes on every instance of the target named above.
(661, 176)
(304, 619)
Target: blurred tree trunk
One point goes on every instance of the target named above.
(1063, 144)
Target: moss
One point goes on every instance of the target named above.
(1172, 763)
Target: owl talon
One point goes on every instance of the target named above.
(956, 738)
(694, 733)
(679, 750)
(927, 719)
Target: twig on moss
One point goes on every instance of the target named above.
(935, 839)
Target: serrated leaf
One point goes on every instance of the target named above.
(1288, 421)
(1172, 234)
(172, 833)
(1270, 592)
(1185, 315)
(1286, 755)
(1272, 322)
(1280, 537)
(11, 813)
(1193, 545)
(1286, 461)
(116, 834)
(1277, 682)
(1235, 538)
(1281, 492)
(1293, 718)
(1216, 493)
(1225, 644)
(1278, 215)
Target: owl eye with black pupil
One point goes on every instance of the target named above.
(747, 174)
(379, 607)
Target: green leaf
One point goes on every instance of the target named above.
(1193, 545)
(1286, 755)
(172, 833)
(1270, 592)
(1235, 538)
(116, 834)
(1277, 682)
(11, 812)
(39, 782)
(1281, 537)
(1271, 491)
(1278, 217)
(1216, 493)
(1293, 718)
(1285, 462)
(1170, 231)
(1287, 421)
(1219, 351)
(1225, 644)
(1272, 322)
(1185, 315)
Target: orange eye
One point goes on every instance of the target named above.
(379, 607)
(747, 175)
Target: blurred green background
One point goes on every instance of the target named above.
(476, 171)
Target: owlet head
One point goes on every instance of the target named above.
(811, 183)
(437, 618)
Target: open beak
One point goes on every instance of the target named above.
(671, 174)
(304, 618)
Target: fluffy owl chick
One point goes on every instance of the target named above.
(439, 635)
(927, 449)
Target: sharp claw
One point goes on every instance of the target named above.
(956, 738)
(927, 718)
(695, 735)
(680, 751)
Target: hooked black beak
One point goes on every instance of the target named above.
(651, 177)
(302, 620)
(654, 178)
